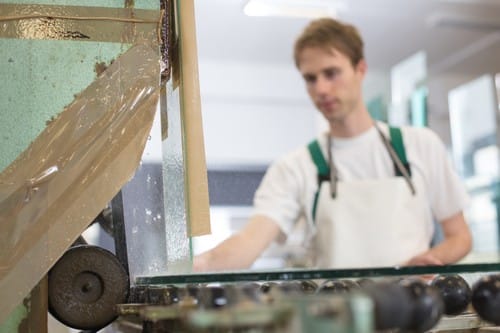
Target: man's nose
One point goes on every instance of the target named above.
(322, 86)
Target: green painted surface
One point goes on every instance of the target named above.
(16, 317)
(39, 78)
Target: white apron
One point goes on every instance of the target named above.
(370, 223)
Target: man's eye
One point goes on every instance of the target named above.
(310, 79)
(332, 73)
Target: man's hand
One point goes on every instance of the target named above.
(241, 249)
(456, 244)
(200, 263)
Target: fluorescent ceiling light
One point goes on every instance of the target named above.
(294, 8)
(473, 2)
(444, 19)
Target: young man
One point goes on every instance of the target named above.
(368, 193)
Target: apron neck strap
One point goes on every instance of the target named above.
(318, 159)
(397, 153)
(398, 145)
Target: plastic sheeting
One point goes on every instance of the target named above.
(121, 25)
(68, 174)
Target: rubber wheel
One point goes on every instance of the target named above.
(85, 286)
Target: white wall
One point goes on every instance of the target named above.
(253, 113)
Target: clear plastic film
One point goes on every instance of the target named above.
(68, 174)
(122, 25)
(144, 214)
(174, 178)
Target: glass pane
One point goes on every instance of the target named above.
(319, 274)
(256, 108)
(473, 117)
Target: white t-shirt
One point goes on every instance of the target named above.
(286, 193)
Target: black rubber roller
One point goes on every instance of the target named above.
(428, 306)
(486, 298)
(455, 291)
(393, 305)
(85, 286)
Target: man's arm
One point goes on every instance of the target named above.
(241, 249)
(456, 244)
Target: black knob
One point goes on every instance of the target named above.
(455, 292)
(266, 287)
(486, 298)
(192, 290)
(216, 297)
(392, 305)
(172, 295)
(308, 286)
(337, 286)
(428, 306)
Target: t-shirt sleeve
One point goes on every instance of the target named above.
(278, 195)
(447, 193)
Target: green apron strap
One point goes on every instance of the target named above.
(323, 170)
(399, 147)
(318, 158)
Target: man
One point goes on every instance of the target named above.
(368, 193)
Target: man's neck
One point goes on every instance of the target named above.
(352, 125)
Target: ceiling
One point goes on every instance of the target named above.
(459, 35)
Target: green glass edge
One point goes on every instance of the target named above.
(315, 274)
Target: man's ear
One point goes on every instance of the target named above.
(361, 67)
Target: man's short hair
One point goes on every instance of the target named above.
(327, 33)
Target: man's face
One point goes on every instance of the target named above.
(333, 83)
